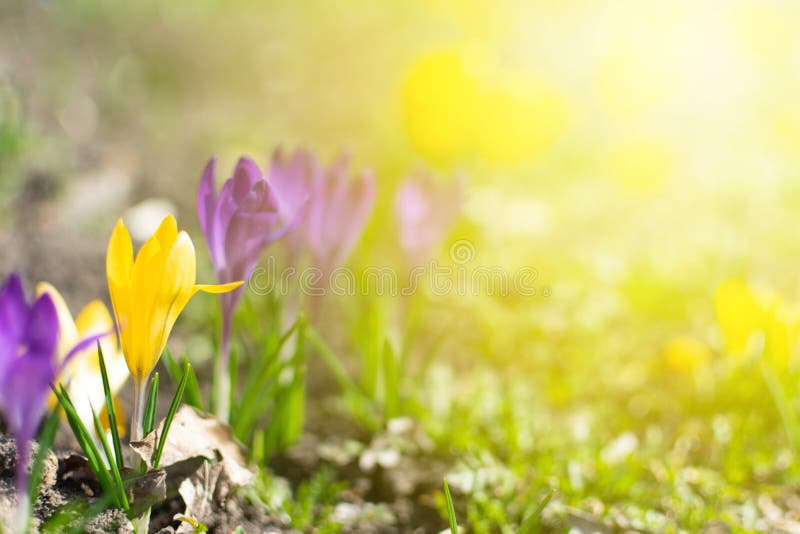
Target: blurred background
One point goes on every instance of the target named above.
(635, 153)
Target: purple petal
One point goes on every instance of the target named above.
(356, 208)
(83, 345)
(24, 391)
(13, 310)
(41, 333)
(207, 200)
(223, 212)
(245, 176)
(13, 319)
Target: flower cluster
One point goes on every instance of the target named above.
(320, 213)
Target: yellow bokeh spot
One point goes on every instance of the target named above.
(503, 116)
(519, 119)
(640, 166)
(439, 101)
(740, 314)
(686, 354)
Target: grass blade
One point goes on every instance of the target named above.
(193, 397)
(149, 421)
(173, 408)
(192, 387)
(120, 487)
(87, 444)
(112, 414)
(451, 511)
(531, 523)
(331, 360)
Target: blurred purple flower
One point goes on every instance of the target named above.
(293, 178)
(338, 210)
(239, 223)
(29, 364)
(425, 210)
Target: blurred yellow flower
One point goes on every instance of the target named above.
(686, 354)
(519, 119)
(781, 329)
(149, 293)
(439, 101)
(82, 376)
(502, 116)
(740, 314)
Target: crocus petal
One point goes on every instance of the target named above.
(41, 333)
(207, 199)
(358, 204)
(13, 309)
(82, 345)
(245, 176)
(68, 332)
(218, 288)
(25, 388)
(119, 270)
(13, 320)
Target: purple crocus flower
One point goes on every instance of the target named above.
(338, 210)
(294, 178)
(239, 223)
(425, 209)
(29, 364)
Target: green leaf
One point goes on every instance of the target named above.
(331, 360)
(112, 414)
(451, 511)
(87, 444)
(120, 487)
(532, 522)
(175, 373)
(391, 382)
(149, 421)
(173, 408)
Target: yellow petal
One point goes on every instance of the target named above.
(119, 269)
(119, 411)
(177, 288)
(93, 319)
(217, 288)
(67, 331)
(739, 314)
(119, 258)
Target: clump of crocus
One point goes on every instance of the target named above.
(29, 365)
(425, 209)
(147, 294)
(239, 223)
(81, 377)
(337, 213)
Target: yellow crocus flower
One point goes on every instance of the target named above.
(148, 294)
(740, 314)
(686, 354)
(81, 376)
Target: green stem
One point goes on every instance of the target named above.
(782, 404)
(222, 387)
(141, 524)
(139, 400)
